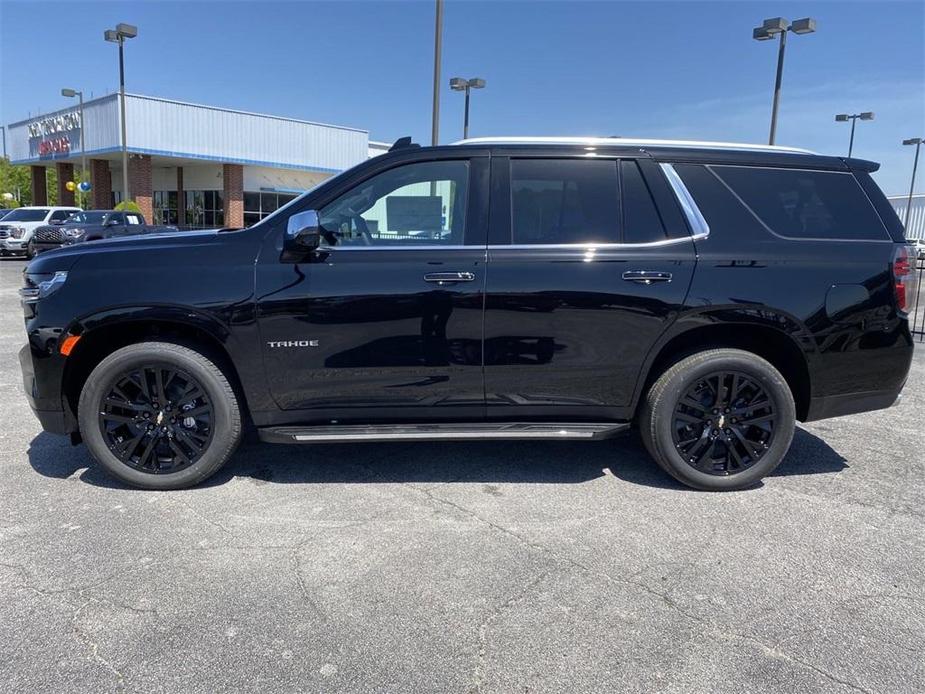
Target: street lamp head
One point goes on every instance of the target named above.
(841, 117)
(127, 31)
(807, 25)
(867, 115)
(759, 34)
(111, 35)
(775, 25)
(458, 84)
(913, 141)
(477, 83)
(68, 92)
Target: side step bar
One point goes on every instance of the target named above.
(536, 431)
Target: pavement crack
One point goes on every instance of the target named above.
(84, 637)
(664, 598)
(479, 673)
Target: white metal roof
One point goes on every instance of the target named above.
(628, 142)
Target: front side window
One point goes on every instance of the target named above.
(804, 204)
(564, 201)
(91, 217)
(416, 204)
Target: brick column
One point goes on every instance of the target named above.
(181, 198)
(39, 186)
(233, 176)
(141, 184)
(101, 183)
(65, 174)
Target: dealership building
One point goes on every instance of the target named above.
(188, 164)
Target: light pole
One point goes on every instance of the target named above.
(768, 29)
(458, 84)
(118, 35)
(438, 46)
(4, 140)
(917, 141)
(842, 117)
(71, 93)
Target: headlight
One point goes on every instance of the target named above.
(74, 233)
(41, 285)
(17, 232)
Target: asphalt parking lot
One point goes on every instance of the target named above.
(457, 567)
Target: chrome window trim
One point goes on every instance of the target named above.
(373, 247)
(590, 246)
(699, 227)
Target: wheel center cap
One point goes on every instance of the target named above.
(160, 417)
(721, 423)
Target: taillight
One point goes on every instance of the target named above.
(905, 278)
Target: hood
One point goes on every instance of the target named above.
(64, 257)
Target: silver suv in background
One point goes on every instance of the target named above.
(17, 228)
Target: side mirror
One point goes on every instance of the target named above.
(304, 230)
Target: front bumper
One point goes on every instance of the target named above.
(53, 420)
(12, 246)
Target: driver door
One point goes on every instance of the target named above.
(384, 320)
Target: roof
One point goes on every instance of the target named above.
(630, 142)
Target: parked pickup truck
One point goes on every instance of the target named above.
(91, 225)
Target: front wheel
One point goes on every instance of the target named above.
(30, 251)
(159, 415)
(719, 420)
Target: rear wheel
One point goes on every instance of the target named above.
(159, 415)
(719, 420)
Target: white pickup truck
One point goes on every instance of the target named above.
(17, 228)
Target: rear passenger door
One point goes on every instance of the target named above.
(589, 260)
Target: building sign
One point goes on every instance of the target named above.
(55, 124)
(58, 145)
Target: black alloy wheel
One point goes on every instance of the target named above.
(718, 420)
(157, 419)
(724, 423)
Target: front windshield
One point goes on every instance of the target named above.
(86, 218)
(26, 215)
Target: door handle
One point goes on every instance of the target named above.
(646, 276)
(442, 278)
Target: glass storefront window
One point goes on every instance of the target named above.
(204, 208)
(259, 205)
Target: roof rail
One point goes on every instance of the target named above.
(403, 143)
(630, 142)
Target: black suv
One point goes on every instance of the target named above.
(710, 294)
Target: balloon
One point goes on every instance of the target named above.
(71, 186)
(85, 186)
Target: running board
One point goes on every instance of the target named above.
(529, 431)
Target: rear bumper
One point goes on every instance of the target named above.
(852, 403)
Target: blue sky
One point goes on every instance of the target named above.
(647, 69)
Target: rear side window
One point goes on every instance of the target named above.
(557, 201)
(641, 223)
(803, 204)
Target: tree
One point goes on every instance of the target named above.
(14, 180)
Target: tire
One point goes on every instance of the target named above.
(681, 417)
(195, 430)
(30, 251)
